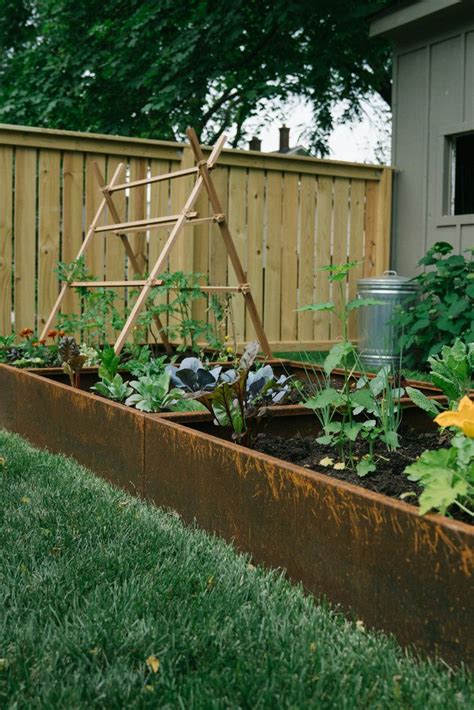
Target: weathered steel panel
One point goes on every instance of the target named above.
(374, 556)
(106, 437)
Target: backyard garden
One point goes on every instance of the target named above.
(312, 462)
(236, 446)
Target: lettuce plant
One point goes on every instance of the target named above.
(153, 394)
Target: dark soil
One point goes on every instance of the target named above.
(389, 478)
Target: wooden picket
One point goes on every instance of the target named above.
(288, 215)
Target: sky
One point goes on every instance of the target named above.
(365, 141)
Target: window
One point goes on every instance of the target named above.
(462, 175)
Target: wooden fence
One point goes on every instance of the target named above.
(288, 215)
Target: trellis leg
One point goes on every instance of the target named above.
(229, 242)
(121, 340)
(81, 251)
(129, 251)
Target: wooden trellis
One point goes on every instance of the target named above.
(186, 216)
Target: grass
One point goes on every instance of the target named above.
(94, 582)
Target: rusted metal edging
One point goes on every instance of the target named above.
(373, 555)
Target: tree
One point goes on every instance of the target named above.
(149, 68)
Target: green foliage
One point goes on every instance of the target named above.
(114, 388)
(6, 343)
(446, 476)
(153, 394)
(375, 399)
(184, 62)
(239, 400)
(172, 302)
(451, 372)
(445, 309)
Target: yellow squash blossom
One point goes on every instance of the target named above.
(463, 418)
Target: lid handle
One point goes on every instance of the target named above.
(389, 272)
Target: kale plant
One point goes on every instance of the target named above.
(242, 397)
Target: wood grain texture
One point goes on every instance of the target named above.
(356, 245)
(95, 255)
(272, 296)
(238, 229)
(324, 213)
(73, 218)
(48, 232)
(25, 238)
(339, 250)
(289, 263)
(306, 254)
(255, 218)
(6, 228)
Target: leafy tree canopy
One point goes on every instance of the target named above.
(149, 68)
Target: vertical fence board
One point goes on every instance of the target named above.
(356, 245)
(25, 238)
(49, 232)
(115, 259)
(370, 227)
(95, 254)
(289, 264)
(137, 210)
(238, 229)
(6, 226)
(255, 207)
(339, 256)
(201, 253)
(73, 218)
(287, 217)
(306, 255)
(159, 207)
(272, 300)
(323, 255)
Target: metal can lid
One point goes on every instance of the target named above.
(390, 279)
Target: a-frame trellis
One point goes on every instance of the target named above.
(186, 216)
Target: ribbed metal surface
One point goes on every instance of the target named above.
(378, 339)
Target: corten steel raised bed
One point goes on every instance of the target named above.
(373, 555)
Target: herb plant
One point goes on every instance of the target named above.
(444, 308)
(336, 410)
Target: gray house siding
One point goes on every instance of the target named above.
(433, 98)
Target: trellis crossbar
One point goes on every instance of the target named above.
(186, 216)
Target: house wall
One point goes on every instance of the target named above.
(433, 98)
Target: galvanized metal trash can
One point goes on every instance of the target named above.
(378, 338)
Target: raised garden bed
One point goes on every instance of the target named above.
(373, 555)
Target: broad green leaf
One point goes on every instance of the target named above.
(336, 356)
(317, 307)
(326, 398)
(365, 466)
(422, 401)
(363, 302)
(364, 399)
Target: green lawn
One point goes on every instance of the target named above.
(94, 582)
